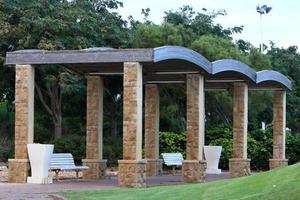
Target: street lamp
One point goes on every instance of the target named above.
(262, 10)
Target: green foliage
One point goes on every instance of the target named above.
(72, 143)
(172, 108)
(220, 136)
(219, 112)
(260, 148)
(292, 147)
(54, 25)
(287, 61)
(215, 48)
(152, 35)
(112, 150)
(170, 142)
(7, 148)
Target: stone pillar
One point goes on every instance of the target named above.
(19, 167)
(279, 123)
(239, 165)
(132, 168)
(193, 168)
(94, 141)
(154, 164)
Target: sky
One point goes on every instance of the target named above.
(281, 25)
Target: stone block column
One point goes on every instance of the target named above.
(132, 169)
(279, 125)
(154, 164)
(193, 168)
(19, 167)
(94, 136)
(239, 165)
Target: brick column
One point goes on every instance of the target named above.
(239, 165)
(94, 135)
(132, 168)
(154, 164)
(19, 167)
(279, 122)
(193, 168)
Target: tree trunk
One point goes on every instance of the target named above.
(58, 127)
(113, 126)
(51, 100)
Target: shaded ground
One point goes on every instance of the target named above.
(33, 191)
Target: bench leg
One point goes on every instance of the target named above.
(56, 174)
(173, 170)
(77, 174)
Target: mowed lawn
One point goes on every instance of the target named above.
(277, 184)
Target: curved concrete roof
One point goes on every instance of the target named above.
(175, 60)
(218, 67)
(165, 53)
(271, 75)
(229, 65)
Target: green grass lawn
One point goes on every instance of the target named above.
(277, 184)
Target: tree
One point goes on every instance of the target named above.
(287, 61)
(53, 25)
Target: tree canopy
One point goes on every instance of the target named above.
(79, 24)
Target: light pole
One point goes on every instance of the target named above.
(262, 10)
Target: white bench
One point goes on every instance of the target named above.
(172, 160)
(64, 162)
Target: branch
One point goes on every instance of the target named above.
(38, 89)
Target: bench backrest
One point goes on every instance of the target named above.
(172, 158)
(62, 160)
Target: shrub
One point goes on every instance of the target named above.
(293, 147)
(71, 143)
(226, 151)
(260, 148)
(172, 142)
(6, 148)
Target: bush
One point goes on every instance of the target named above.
(172, 142)
(293, 147)
(260, 148)
(221, 136)
(71, 143)
(6, 148)
(112, 150)
(226, 151)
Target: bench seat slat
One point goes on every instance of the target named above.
(172, 159)
(64, 161)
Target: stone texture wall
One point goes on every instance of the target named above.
(193, 168)
(94, 136)
(240, 120)
(97, 169)
(19, 170)
(195, 117)
(132, 111)
(152, 129)
(275, 163)
(239, 167)
(94, 140)
(132, 170)
(193, 171)
(24, 117)
(279, 125)
(154, 167)
(132, 173)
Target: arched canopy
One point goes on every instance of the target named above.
(269, 77)
(167, 53)
(229, 66)
(162, 64)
